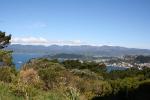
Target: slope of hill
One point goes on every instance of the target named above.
(67, 56)
(82, 50)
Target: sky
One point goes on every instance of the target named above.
(77, 22)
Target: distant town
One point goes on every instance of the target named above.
(127, 61)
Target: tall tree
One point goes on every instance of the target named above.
(5, 56)
(4, 40)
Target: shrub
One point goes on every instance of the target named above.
(101, 88)
(6, 57)
(5, 93)
(126, 84)
(26, 84)
(30, 77)
(49, 77)
(86, 74)
(72, 93)
(6, 74)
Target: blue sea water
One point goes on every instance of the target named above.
(21, 58)
(111, 68)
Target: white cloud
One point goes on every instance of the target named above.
(43, 41)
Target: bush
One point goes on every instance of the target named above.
(5, 93)
(6, 74)
(26, 84)
(126, 84)
(6, 57)
(72, 93)
(30, 77)
(86, 74)
(101, 88)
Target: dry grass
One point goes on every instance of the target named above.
(29, 76)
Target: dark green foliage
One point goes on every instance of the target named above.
(146, 72)
(93, 66)
(4, 40)
(71, 64)
(140, 93)
(142, 59)
(49, 77)
(120, 74)
(87, 74)
(67, 56)
(54, 61)
(5, 56)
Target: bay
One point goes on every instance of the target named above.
(21, 58)
(111, 68)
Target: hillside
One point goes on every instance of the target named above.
(67, 56)
(81, 50)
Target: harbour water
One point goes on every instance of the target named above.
(21, 58)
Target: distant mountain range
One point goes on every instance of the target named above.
(81, 50)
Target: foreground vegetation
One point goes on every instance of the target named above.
(43, 79)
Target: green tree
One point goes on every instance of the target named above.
(5, 56)
(4, 40)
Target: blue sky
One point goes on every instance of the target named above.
(76, 22)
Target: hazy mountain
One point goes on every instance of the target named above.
(82, 50)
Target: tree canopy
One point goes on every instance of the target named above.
(4, 40)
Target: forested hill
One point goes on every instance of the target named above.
(67, 56)
(83, 50)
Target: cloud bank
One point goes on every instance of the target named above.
(43, 41)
